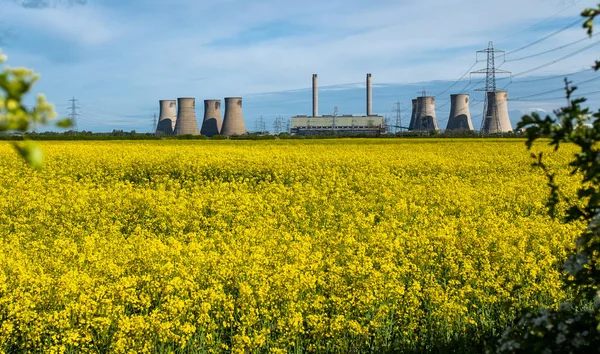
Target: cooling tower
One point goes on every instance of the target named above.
(369, 95)
(186, 117)
(167, 117)
(212, 123)
(460, 116)
(425, 118)
(496, 115)
(413, 115)
(233, 124)
(315, 88)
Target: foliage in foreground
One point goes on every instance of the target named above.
(15, 116)
(289, 246)
(569, 329)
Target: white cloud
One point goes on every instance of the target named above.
(86, 25)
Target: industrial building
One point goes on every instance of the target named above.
(368, 124)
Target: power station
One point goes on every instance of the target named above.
(333, 124)
(178, 117)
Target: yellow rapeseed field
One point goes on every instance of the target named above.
(279, 246)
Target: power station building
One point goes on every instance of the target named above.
(368, 124)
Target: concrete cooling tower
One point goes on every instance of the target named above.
(167, 117)
(413, 115)
(212, 123)
(425, 119)
(496, 116)
(460, 115)
(233, 124)
(186, 117)
(315, 91)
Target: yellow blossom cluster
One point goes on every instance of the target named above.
(283, 246)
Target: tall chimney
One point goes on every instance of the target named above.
(369, 95)
(186, 117)
(315, 88)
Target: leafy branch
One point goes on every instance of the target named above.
(568, 329)
(15, 83)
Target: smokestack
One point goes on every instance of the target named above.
(369, 95)
(460, 115)
(233, 124)
(212, 123)
(425, 119)
(315, 90)
(413, 115)
(186, 117)
(167, 117)
(496, 115)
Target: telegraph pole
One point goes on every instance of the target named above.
(73, 112)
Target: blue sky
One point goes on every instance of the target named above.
(120, 57)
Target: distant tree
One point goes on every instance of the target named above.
(571, 328)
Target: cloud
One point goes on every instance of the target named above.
(44, 22)
(40, 4)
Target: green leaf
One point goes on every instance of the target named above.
(31, 153)
(65, 123)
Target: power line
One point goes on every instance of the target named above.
(559, 59)
(553, 77)
(548, 36)
(552, 50)
(553, 98)
(556, 90)
(545, 20)
(457, 81)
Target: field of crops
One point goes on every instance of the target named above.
(280, 246)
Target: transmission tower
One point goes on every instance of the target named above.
(73, 112)
(490, 73)
(260, 125)
(398, 109)
(278, 125)
(154, 123)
